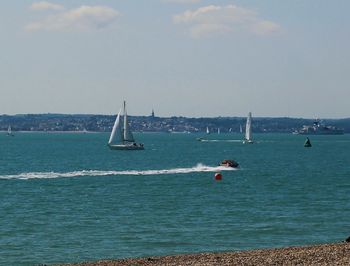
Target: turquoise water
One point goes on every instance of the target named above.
(68, 198)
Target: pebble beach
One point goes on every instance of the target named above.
(325, 254)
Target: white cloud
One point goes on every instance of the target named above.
(182, 1)
(43, 5)
(209, 20)
(265, 27)
(83, 18)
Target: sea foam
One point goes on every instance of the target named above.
(45, 175)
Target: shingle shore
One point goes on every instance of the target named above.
(326, 254)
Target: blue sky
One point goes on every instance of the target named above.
(179, 57)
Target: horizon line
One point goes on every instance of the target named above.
(198, 117)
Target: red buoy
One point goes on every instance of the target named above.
(218, 176)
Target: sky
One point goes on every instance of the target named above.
(194, 58)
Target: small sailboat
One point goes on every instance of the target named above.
(121, 136)
(240, 129)
(208, 132)
(248, 130)
(9, 132)
(219, 130)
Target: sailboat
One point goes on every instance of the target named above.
(9, 132)
(121, 136)
(208, 132)
(248, 130)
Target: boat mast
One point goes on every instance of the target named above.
(125, 121)
(127, 134)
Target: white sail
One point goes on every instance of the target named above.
(116, 135)
(9, 132)
(208, 130)
(248, 128)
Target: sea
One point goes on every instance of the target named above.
(66, 197)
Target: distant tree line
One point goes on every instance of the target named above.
(104, 123)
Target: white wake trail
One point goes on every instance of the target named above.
(46, 175)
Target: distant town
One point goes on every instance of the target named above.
(153, 123)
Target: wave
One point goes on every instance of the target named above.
(221, 140)
(45, 175)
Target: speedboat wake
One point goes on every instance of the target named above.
(46, 175)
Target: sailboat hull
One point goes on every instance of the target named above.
(126, 146)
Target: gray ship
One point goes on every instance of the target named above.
(319, 128)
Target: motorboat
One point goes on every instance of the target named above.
(229, 163)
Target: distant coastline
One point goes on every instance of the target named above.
(103, 123)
